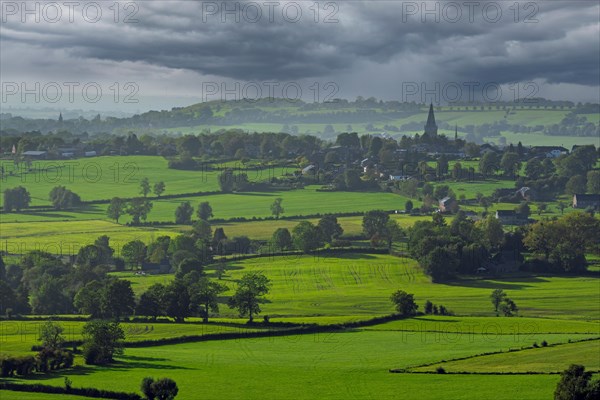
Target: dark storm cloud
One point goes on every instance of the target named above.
(562, 47)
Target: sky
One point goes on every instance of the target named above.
(133, 56)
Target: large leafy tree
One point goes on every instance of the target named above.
(102, 340)
(183, 213)
(205, 211)
(330, 228)
(404, 303)
(206, 293)
(138, 208)
(576, 384)
(116, 208)
(306, 236)
(374, 222)
(249, 294)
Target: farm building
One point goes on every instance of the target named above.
(586, 201)
(510, 217)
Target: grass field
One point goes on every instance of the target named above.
(19, 336)
(544, 359)
(104, 177)
(349, 365)
(360, 285)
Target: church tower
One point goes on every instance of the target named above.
(430, 127)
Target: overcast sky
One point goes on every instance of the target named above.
(171, 53)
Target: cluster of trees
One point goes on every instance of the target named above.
(307, 236)
(576, 384)
(138, 208)
(50, 357)
(16, 199)
(63, 198)
(185, 211)
(502, 303)
(145, 188)
(194, 294)
(434, 309)
(560, 245)
(462, 246)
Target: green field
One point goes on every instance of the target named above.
(105, 177)
(544, 359)
(334, 364)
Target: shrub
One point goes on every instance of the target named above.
(440, 370)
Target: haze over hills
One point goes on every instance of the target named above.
(476, 121)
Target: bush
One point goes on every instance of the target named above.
(440, 370)
(544, 343)
(161, 389)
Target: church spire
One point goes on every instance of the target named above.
(431, 127)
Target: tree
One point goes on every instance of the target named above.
(561, 206)
(159, 188)
(281, 239)
(151, 302)
(189, 265)
(204, 211)
(523, 209)
(404, 303)
(493, 234)
(440, 264)
(201, 230)
(51, 336)
(276, 207)
(117, 298)
(16, 199)
(497, 297)
(249, 294)
(593, 182)
(352, 180)
(575, 384)
(102, 340)
(575, 184)
(306, 236)
(63, 198)
(330, 228)
(183, 213)
(541, 207)
(87, 299)
(508, 307)
(138, 208)
(428, 307)
(510, 163)
(374, 222)
(161, 389)
(177, 300)
(134, 252)
(116, 208)
(488, 164)
(206, 293)
(408, 206)
(226, 181)
(393, 232)
(144, 187)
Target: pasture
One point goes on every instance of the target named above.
(338, 364)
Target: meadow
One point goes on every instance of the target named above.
(334, 365)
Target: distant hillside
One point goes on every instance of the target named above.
(476, 121)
